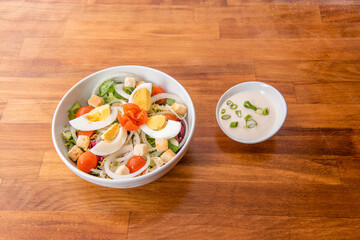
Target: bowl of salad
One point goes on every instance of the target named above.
(124, 126)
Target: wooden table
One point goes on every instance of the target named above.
(303, 183)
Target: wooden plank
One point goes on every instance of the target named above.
(176, 51)
(32, 111)
(327, 93)
(47, 89)
(119, 30)
(32, 28)
(289, 140)
(340, 13)
(291, 2)
(53, 167)
(10, 46)
(127, 2)
(2, 107)
(63, 224)
(195, 2)
(332, 116)
(70, 195)
(308, 71)
(265, 168)
(24, 136)
(138, 13)
(232, 28)
(349, 169)
(43, 11)
(17, 164)
(260, 13)
(215, 198)
(202, 226)
(323, 201)
(324, 228)
(343, 142)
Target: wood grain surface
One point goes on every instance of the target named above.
(303, 183)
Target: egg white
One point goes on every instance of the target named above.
(171, 130)
(148, 86)
(103, 148)
(83, 124)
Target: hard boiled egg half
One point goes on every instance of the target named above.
(97, 118)
(158, 127)
(112, 140)
(141, 96)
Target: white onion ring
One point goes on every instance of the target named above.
(143, 138)
(124, 149)
(125, 158)
(186, 133)
(129, 138)
(119, 90)
(160, 96)
(117, 100)
(73, 133)
(131, 175)
(136, 139)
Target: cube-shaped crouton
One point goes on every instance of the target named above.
(95, 101)
(158, 162)
(74, 153)
(161, 144)
(83, 142)
(122, 170)
(139, 83)
(140, 149)
(168, 155)
(130, 82)
(179, 108)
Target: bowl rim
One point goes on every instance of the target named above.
(105, 181)
(272, 133)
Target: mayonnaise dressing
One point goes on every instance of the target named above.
(264, 123)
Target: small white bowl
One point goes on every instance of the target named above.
(81, 91)
(270, 92)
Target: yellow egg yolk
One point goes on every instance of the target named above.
(157, 122)
(111, 133)
(99, 113)
(142, 98)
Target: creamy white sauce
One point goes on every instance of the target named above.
(264, 123)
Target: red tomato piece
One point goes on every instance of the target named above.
(156, 90)
(170, 116)
(135, 163)
(127, 123)
(83, 110)
(86, 162)
(87, 133)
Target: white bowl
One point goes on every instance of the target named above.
(81, 92)
(270, 92)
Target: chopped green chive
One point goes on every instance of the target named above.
(233, 106)
(238, 113)
(222, 111)
(247, 117)
(233, 124)
(229, 102)
(262, 111)
(225, 117)
(248, 105)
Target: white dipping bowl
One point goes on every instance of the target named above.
(268, 91)
(81, 93)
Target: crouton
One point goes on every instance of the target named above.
(139, 83)
(167, 156)
(140, 150)
(83, 142)
(75, 153)
(161, 144)
(122, 170)
(130, 82)
(158, 162)
(179, 108)
(95, 101)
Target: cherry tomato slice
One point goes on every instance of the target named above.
(141, 117)
(156, 90)
(131, 107)
(135, 164)
(87, 133)
(127, 123)
(83, 110)
(86, 162)
(170, 116)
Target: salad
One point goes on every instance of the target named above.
(128, 128)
